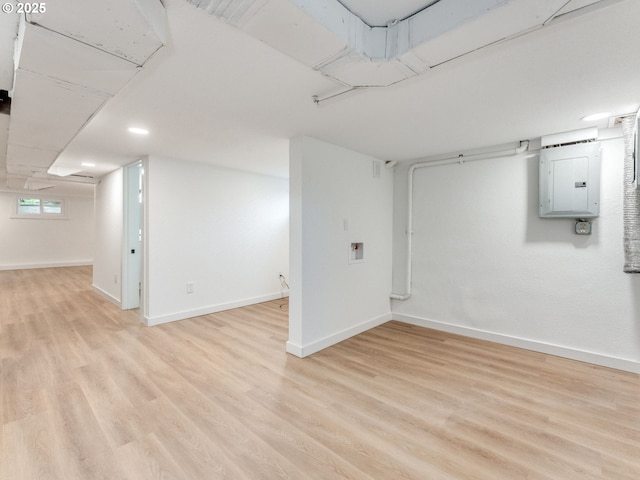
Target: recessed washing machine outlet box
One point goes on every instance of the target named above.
(356, 252)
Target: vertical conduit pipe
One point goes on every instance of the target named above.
(524, 145)
(631, 199)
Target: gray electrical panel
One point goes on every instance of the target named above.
(570, 181)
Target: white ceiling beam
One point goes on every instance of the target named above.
(69, 61)
(8, 34)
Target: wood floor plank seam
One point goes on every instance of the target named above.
(87, 391)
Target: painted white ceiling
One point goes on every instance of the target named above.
(8, 26)
(380, 13)
(216, 94)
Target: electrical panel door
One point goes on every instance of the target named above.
(570, 181)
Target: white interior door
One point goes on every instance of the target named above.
(132, 255)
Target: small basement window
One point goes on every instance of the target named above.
(36, 207)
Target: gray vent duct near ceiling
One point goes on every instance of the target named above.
(69, 61)
(631, 206)
(326, 36)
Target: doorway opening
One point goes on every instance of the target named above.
(132, 244)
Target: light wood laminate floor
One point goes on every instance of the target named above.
(87, 392)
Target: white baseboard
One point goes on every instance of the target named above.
(294, 349)
(173, 317)
(29, 266)
(557, 350)
(313, 347)
(107, 296)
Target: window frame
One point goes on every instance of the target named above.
(41, 215)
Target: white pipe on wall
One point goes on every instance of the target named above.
(524, 145)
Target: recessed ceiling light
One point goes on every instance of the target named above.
(596, 116)
(88, 164)
(138, 130)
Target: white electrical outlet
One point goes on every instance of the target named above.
(583, 227)
(190, 287)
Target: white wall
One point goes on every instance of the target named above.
(331, 299)
(485, 265)
(107, 264)
(224, 230)
(35, 243)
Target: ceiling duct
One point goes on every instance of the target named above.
(69, 61)
(37, 186)
(328, 37)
